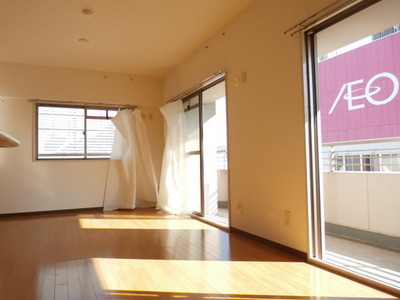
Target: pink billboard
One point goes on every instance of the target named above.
(359, 92)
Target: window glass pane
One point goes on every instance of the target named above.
(55, 110)
(61, 144)
(194, 180)
(192, 123)
(192, 113)
(190, 103)
(215, 164)
(96, 112)
(100, 137)
(61, 118)
(60, 132)
(112, 113)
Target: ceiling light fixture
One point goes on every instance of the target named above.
(83, 40)
(87, 12)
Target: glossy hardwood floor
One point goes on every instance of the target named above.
(147, 254)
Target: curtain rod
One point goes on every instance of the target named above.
(128, 106)
(319, 15)
(195, 88)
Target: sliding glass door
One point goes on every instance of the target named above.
(354, 67)
(207, 151)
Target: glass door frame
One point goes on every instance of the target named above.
(199, 93)
(313, 143)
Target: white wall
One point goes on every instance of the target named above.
(266, 121)
(27, 185)
(362, 200)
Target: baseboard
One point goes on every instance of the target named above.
(51, 212)
(290, 250)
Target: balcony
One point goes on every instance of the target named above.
(361, 207)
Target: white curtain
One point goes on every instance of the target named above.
(174, 192)
(131, 180)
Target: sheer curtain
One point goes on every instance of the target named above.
(174, 192)
(131, 180)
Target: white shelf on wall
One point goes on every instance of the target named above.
(7, 140)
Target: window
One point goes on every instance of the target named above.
(353, 119)
(207, 152)
(71, 132)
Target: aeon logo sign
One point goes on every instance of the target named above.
(358, 96)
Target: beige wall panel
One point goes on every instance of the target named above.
(31, 82)
(27, 185)
(384, 203)
(346, 199)
(366, 201)
(266, 121)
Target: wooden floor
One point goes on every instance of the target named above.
(146, 254)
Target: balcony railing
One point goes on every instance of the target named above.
(365, 156)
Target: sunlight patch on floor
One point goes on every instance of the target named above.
(141, 295)
(129, 216)
(157, 224)
(226, 278)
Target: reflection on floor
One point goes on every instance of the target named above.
(373, 262)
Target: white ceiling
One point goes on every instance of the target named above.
(142, 37)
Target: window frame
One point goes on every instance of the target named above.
(86, 118)
(313, 144)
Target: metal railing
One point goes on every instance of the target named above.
(365, 156)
